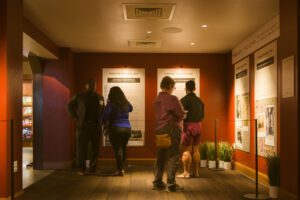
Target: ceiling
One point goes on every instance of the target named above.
(99, 25)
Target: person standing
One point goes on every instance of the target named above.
(169, 115)
(86, 108)
(190, 138)
(115, 118)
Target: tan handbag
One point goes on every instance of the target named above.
(163, 141)
(163, 137)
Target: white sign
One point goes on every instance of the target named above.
(288, 77)
(132, 83)
(266, 98)
(181, 76)
(242, 106)
(266, 72)
(263, 36)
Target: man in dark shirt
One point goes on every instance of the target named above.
(190, 138)
(86, 109)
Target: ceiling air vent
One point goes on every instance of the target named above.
(142, 44)
(148, 11)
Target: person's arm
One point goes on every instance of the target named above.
(130, 107)
(71, 106)
(106, 113)
(177, 108)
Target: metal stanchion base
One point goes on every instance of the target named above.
(253, 196)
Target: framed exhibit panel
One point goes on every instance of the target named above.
(242, 105)
(181, 76)
(265, 61)
(132, 83)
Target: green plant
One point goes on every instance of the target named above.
(227, 152)
(221, 150)
(273, 164)
(211, 153)
(203, 151)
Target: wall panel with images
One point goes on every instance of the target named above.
(132, 83)
(242, 105)
(265, 61)
(181, 76)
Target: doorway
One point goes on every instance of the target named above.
(30, 174)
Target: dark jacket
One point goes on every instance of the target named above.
(77, 107)
(194, 106)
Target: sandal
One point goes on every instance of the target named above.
(183, 175)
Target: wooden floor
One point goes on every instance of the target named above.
(137, 184)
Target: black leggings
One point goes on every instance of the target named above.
(118, 137)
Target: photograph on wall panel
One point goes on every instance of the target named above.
(242, 105)
(265, 61)
(180, 76)
(132, 83)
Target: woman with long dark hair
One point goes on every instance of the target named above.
(115, 117)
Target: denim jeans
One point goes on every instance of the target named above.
(170, 156)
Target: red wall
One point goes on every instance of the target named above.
(288, 44)
(57, 89)
(11, 91)
(213, 91)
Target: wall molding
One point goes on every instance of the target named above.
(283, 194)
(249, 172)
(17, 194)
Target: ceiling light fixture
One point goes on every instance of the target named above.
(149, 32)
(192, 43)
(204, 26)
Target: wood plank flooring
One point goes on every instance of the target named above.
(137, 184)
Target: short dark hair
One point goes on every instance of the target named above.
(190, 85)
(167, 83)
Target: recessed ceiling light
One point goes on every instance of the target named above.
(204, 26)
(149, 32)
(192, 43)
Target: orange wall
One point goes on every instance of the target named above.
(11, 90)
(289, 107)
(213, 68)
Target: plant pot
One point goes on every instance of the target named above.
(221, 163)
(212, 164)
(273, 192)
(227, 165)
(203, 163)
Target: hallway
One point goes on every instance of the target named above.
(137, 184)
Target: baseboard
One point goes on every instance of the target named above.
(57, 165)
(17, 194)
(249, 172)
(283, 194)
(131, 161)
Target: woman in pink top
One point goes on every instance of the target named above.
(169, 115)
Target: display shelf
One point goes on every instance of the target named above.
(27, 121)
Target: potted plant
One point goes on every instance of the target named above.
(203, 155)
(227, 155)
(221, 150)
(273, 165)
(211, 153)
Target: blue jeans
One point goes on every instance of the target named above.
(170, 155)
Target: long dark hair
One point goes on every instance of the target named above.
(117, 97)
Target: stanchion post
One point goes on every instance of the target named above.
(12, 159)
(256, 161)
(256, 195)
(216, 149)
(216, 146)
